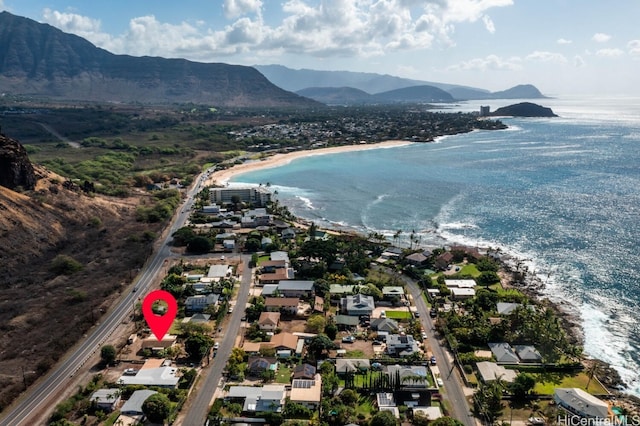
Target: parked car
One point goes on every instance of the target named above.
(416, 314)
(433, 360)
(424, 336)
(216, 345)
(348, 339)
(383, 314)
(439, 382)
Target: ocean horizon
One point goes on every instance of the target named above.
(560, 194)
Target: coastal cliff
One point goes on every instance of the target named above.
(523, 109)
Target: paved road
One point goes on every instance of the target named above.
(199, 407)
(44, 394)
(452, 383)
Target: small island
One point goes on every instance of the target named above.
(523, 109)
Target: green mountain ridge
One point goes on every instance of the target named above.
(40, 60)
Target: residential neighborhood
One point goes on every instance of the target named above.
(340, 329)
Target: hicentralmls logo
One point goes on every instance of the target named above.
(568, 420)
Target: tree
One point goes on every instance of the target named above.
(183, 236)
(108, 354)
(319, 344)
(197, 345)
(65, 265)
(488, 278)
(157, 408)
(522, 385)
(331, 330)
(420, 419)
(349, 397)
(446, 421)
(199, 244)
(488, 401)
(316, 323)
(383, 418)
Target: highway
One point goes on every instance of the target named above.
(43, 395)
(198, 409)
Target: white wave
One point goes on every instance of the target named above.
(307, 202)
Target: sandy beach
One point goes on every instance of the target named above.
(222, 177)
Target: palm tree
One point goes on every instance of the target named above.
(396, 236)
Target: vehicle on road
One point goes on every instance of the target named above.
(433, 360)
(216, 345)
(439, 382)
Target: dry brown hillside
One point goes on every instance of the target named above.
(44, 311)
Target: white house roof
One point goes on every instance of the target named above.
(462, 292)
(505, 308)
(385, 399)
(504, 353)
(581, 402)
(279, 255)
(269, 289)
(218, 271)
(490, 371)
(392, 290)
(134, 404)
(295, 285)
(341, 289)
(161, 376)
(105, 396)
(360, 302)
(460, 283)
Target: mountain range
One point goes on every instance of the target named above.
(42, 61)
(347, 87)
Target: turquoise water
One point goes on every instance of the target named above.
(563, 194)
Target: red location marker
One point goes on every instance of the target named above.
(158, 324)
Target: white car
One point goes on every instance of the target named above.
(439, 382)
(216, 345)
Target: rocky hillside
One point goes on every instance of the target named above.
(40, 60)
(15, 168)
(524, 109)
(65, 256)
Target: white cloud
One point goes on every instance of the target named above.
(360, 28)
(601, 37)
(488, 24)
(491, 62)
(236, 8)
(563, 41)
(609, 53)
(634, 47)
(546, 57)
(578, 61)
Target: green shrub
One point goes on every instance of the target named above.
(65, 265)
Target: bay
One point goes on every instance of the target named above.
(562, 194)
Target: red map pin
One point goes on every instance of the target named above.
(158, 324)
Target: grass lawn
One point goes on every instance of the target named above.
(365, 406)
(175, 326)
(398, 315)
(469, 269)
(547, 382)
(264, 258)
(358, 354)
(283, 376)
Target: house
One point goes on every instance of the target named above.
(163, 377)
(295, 288)
(219, 271)
(386, 402)
(338, 290)
(288, 305)
(416, 259)
(269, 290)
(288, 234)
(460, 284)
(527, 353)
(359, 304)
(503, 353)
(269, 398)
(462, 293)
(279, 274)
(151, 342)
(444, 260)
(228, 245)
(251, 348)
(346, 322)
(352, 365)
(400, 345)
(197, 319)
(385, 324)
(389, 292)
(256, 365)
(265, 241)
(269, 266)
(490, 371)
(133, 406)
(211, 209)
(307, 392)
(269, 321)
(505, 308)
(279, 255)
(200, 302)
(106, 399)
(304, 371)
(581, 403)
(283, 342)
(410, 376)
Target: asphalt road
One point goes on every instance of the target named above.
(199, 407)
(44, 394)
(453, 387)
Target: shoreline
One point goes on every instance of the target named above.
(222, 177)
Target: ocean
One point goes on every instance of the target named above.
(561, 194)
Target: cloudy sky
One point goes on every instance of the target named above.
(564, 47)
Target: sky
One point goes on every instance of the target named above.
(563, 47)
